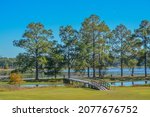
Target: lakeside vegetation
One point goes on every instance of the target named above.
(45, 81)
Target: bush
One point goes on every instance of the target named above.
(15, 78)
(6, 66)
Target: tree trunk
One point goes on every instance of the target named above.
(99, 72)
(68, 72)
(145, 64)
(145, 56)
(69, 63)
(37, 71)
(99, 67)
(94, 70)
(121, 61)
(121, 67)
(55, 73)
(36, 66)
(132, 74)
(88, 70)
(93, 56)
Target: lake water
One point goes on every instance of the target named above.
(117, 71)
(126, 71)
(130, 83)
(125, 83)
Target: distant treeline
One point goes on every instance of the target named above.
(7, 63)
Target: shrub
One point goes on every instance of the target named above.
(15, 78)
(6, 66)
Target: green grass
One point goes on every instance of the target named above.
(68, 93)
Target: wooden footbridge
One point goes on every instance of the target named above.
(101, 85)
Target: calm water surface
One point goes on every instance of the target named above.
(130, 83)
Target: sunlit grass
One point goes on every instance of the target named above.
(68, 93)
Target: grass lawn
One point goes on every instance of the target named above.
(68, 93)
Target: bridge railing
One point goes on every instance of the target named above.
(102, 83)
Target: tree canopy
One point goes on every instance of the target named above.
(91, 49)
(36, 43)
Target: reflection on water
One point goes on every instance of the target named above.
(130, 83)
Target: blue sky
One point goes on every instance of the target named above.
(16, 14)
